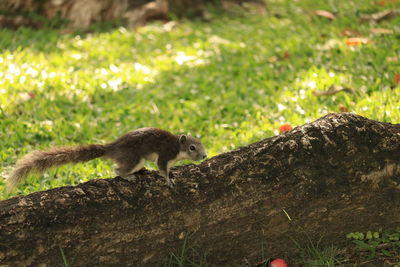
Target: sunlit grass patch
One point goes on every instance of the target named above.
(231, 81)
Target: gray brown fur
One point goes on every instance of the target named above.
(129, 152)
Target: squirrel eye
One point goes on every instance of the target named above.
(192, 147)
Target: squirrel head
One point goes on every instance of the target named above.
(192, 147)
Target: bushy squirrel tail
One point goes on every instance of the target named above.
(39, 161)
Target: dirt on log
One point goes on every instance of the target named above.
(333, 176)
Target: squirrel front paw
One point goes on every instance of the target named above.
(170, 183)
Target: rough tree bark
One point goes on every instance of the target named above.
(338, 174)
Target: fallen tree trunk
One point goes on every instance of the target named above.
(336, 175)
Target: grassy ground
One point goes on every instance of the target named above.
(231, 81)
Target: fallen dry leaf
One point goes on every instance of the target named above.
(286, 55)
(350, 33)
(397, 79)
(256, 7)
(66, 31)
(381, 16)
(228, 5)
(272, 59)
(354, 41)
(343, 108)
(392, 59)
(25, 96)
(325, 14)
(381, 31)
(384, 2)
(31, 94)
(334, 89)
(380, 3)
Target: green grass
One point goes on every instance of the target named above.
(188, 256)
(378, 245)
(64, 259)
(313, 254)
(215, 80)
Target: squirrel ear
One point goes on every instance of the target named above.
(182, 139)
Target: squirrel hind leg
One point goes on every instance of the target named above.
(127, 169)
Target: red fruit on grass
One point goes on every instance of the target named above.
(278, 263)
(285, 128)
(286, 55)
(397, 78)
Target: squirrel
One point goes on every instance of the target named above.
(129, 152)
